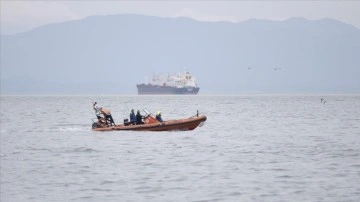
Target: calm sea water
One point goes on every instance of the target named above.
(252, 148)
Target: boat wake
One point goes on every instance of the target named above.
(64, 149)
(59, 129)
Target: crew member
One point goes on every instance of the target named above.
(158, 116)
(97, 109)
(132, 117)
(139, 118)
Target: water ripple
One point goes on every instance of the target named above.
(274, 148)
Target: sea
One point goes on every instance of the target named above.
(251, 148)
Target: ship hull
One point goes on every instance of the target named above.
(148, 89)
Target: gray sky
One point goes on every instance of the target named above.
(19, 16)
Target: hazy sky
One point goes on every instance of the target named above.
(19, 16)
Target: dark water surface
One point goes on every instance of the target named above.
(252, 148)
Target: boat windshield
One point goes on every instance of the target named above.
(146, 112)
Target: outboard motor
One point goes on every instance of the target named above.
(126, 122)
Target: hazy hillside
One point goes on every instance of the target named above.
(111, 54)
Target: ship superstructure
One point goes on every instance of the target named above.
(172, 84)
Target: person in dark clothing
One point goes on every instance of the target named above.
(158, 116)
(110, 118)
(139, 118)
(132, 117)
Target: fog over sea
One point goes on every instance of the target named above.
(251, 148)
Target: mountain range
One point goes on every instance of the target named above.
(111, 54)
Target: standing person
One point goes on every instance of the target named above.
(139, 118)
(132, 117)
(97, 109)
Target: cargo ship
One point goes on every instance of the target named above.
(173, 84)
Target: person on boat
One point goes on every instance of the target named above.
(97, 109)
(158, 116)
(107, 115)
(132, 117)
(139, 118)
